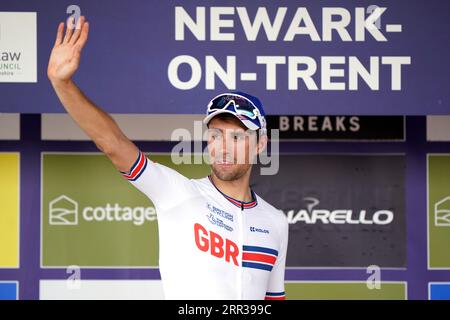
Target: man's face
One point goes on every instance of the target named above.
(232, 148)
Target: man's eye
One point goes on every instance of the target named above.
(214, 135)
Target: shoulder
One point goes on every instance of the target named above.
(277, 216)
(200, 184)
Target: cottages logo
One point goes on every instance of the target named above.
(442, 213)
(63, 211)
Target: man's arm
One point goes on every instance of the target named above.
(275, 290)
(97, 124)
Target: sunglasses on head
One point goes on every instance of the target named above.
(241, 105)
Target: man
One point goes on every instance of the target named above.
(218, 239)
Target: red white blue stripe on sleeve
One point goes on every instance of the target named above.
(137, 168)
(259, 257)
(275, 296)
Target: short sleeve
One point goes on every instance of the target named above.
(157, 182)
(275, 290)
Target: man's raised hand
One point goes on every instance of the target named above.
(66, 53)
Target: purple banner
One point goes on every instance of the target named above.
(308, 57)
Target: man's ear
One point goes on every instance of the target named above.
(262, 143)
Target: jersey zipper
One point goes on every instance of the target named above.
(241, 241)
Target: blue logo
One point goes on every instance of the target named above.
(218, 222)
(253, 229)
(8, 291)
(439, 291)
(220, 213)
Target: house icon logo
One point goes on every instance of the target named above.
(442, 213)
(63, 211)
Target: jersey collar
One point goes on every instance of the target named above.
(237, 203)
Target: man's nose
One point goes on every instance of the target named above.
(227, 145)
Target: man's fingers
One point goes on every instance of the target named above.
(77, 32)
(59, 34)
(83, 36)
(69, 29)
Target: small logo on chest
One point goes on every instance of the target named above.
(259, 230)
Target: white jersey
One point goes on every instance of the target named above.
(212, 246)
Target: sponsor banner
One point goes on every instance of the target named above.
(9, 210)
(438, 128)
(345, 290)
(439, 291)
(9, 290)
(438, 210)
(9, 126)
(93, 217)
(101, 290)
(343, 210)
(308, 57)
(339, 128)
(18, 54)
